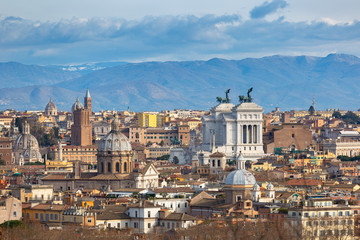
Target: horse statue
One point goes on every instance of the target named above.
(244, 99)
(224, 100)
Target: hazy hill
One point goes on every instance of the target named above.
(13, 74)
(287, 82)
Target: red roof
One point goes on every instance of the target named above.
(304, 182)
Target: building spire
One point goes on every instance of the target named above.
(87, 100)
(87, 95)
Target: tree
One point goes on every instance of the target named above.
(19, 121)
(175, 160)
(2, 162)
(351, 118)
(162, 143)
(163, 157)
(336, 114)
(311, 110)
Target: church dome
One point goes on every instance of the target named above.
(26, 147)
(240, 177)
(50, 106)
(115, 140)
(24, 141)
(77, 105)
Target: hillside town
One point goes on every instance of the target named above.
(140, 173)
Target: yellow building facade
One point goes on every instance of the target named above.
(264, 166)
(151, 120)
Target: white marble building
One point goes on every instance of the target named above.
(233, 129)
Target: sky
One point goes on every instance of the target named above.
(86, 31)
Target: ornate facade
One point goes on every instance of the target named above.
(233, 129)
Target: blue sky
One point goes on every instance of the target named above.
(73, 32)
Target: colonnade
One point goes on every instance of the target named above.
(250, 134)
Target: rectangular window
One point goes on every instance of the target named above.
(149, 225)
(56, 217)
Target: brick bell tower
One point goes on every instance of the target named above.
(81, 130)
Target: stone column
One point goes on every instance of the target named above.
(255, 130)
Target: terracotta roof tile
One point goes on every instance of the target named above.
(303, 182)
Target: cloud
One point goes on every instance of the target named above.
(80, 40)
(267, 8)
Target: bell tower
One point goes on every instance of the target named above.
(81, 130)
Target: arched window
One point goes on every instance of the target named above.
(125, 167)
(109, 167)
(117, 167)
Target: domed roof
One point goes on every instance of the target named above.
(50, 106)
(270, 187)
(240, 177)
(77, 105)
(115, 140)
(256, 187)
(24, 141)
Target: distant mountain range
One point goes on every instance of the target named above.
(283, 81)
